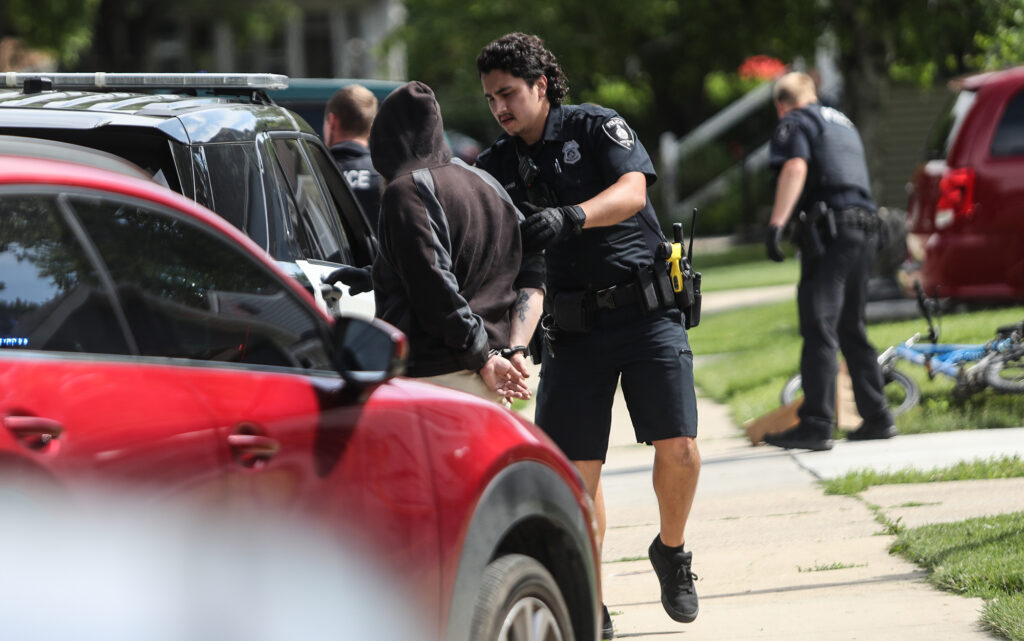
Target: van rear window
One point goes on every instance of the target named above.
(1009, 137)
(944, 131)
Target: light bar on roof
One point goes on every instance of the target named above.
(104, 80)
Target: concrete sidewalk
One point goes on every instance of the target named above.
(763, 533)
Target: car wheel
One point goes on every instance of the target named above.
(520, 601)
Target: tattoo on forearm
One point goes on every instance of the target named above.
(522, 305)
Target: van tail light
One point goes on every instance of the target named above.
(956, 197)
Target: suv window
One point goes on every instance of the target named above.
(347, 204)
(189, 294)
(944, 130)
(236, 186)
(1009, 137)
(317, 226)
(51, 297)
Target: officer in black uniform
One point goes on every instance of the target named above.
(347, 120)
(822, 173)
(610, 313)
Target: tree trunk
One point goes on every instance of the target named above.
(863, 62)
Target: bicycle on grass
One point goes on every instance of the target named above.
(998, 363)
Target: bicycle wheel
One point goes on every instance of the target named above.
(901, 392)
(1006, 372)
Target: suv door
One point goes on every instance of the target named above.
(75, 402)
(297, 441)
(319, 240)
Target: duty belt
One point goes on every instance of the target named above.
(857, 217)
(650, 289)
(617, 296)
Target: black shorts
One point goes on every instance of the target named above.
(577, 386)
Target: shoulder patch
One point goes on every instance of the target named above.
(783, 131)
(620, 133)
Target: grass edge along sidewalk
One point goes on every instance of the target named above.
(979, 557)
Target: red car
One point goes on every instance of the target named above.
(146, 343)
(966, 209)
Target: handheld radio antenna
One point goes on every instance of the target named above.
(693, 224)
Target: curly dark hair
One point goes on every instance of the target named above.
(525, 56)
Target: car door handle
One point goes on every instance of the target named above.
(35, 432)
(252, 450)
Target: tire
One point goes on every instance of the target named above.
(901, 391)
(519, 600)
(1006, 372)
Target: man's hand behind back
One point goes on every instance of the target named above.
(504, 378)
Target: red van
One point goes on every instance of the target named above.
(966, 209)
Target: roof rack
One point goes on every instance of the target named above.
(104, 80)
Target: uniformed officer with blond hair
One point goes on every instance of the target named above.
(822, 179)
(347, 120)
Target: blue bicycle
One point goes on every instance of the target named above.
(998, 363)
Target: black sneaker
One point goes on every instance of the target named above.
(868, 431)
(678, 594)
(607, 629)
(800, 437)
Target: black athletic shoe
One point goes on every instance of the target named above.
(607, 629)
(800, 438)
(678, 594)
(867, 432)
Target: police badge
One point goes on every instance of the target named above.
(571, 152)
(619, 132)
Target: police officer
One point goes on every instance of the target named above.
(347, 120)
(583, 174)
(822, 173)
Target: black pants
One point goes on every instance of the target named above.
(831, 299)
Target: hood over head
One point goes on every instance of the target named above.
(408, 133)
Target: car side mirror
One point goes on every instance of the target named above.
(368, 352)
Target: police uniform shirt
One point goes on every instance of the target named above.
(584, 150)
(804, 133)
(353, 159)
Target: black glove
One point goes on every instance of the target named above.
(544, 227)
(358, 279)
(772, 243)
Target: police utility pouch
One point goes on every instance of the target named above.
(571, 312)
(692, 314)
(648, 293)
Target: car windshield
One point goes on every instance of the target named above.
(944, 131)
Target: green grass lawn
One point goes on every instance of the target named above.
(755, 350)
(744, 266)
(994, 468)
(982, 557)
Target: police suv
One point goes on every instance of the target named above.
(220, 140)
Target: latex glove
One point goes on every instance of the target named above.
(358, 279)
(546, 226)
(773, 243)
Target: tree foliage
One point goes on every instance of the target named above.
(649, 58)
(119, 34)
(63, 27)
(645, 58)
